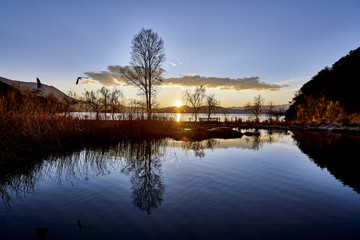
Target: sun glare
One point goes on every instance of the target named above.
(178, 103)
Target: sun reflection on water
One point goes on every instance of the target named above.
(178, 117)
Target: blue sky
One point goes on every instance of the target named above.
(277, 42)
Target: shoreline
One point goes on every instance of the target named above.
(24, 137)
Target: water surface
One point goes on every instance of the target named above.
(277, 186)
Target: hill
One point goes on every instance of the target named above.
(23, 86)
(331, 94)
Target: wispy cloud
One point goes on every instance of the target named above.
(112, 77)
(296, 80)
(172, 64)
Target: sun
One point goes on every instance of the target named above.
(178, 103)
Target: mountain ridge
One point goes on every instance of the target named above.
(29, 86)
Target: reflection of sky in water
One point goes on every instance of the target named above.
(250, 187)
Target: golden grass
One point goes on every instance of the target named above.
(27, 135)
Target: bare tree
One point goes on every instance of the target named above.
(145, 70)
(278, 113)
(195, 99)
(116, 96)
(135, 109)
(105, 96)
(211, 104)
(270, 111)
(274, 112)
(93, 100)
(255, 108)
(69, 100)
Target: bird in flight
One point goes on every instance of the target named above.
(38, 86)
(80, 78)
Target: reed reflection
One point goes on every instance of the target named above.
(17, 180)
(338, 153)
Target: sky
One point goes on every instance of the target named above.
(237, 49)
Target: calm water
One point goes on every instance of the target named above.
(276, 186)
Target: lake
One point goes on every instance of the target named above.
(279, 185)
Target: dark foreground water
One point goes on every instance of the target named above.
(276, 186)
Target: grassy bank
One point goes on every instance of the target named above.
(23, 136)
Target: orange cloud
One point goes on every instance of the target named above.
(112, 77)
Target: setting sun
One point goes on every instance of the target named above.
(178, 103)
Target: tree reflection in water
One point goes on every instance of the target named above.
(252, 142)
(140, 159)
(198, 147)
(144, 163)
(338, 153)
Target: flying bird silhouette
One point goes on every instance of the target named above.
(38, 86)
(80, 78)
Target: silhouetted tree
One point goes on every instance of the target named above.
(274, 113)
(69, 100)
(93, 100)
(105, 97)
(255, 108)
(211, 105)
(195, 99)
(115, 101)
(145, 70)
(270, 111)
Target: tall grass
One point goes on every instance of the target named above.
(31, 126)
(25, 135)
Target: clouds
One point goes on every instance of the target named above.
(172, 64)
(222, 83)
(112, 77)
(300, 80)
